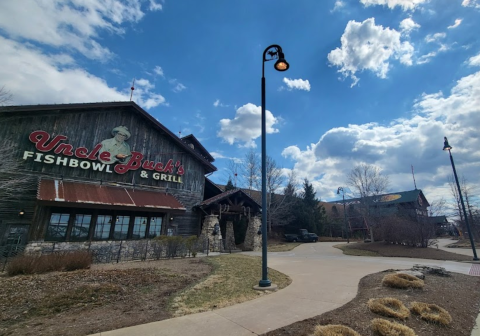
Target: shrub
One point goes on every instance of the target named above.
(431, 313)
(386, 328)
(402, 230)
(334, 330)
(400, 280)
(62, 261)
(389, 307)
(174, 245)
(191, 243)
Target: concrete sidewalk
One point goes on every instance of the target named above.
(323, 279)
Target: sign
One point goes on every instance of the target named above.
(114, 155)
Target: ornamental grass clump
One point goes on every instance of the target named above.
(431, 313)
(386, 328)
(334, 330)
(389, 307)
(400, 280)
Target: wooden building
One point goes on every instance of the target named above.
(97, 172)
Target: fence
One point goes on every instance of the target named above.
(121, 251)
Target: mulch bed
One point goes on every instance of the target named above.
(392, 250)
(84, 302)
(459, 294)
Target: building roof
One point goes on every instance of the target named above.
(197, 146)
(87, 107)
(392, 198)
(226, 194)
(60, 192)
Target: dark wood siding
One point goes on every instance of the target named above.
(87, 129)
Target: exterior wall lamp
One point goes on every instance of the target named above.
(21, 213)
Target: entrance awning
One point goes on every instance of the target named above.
(65, 193)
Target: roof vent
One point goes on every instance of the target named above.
(191, 146)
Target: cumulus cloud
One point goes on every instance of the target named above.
(36, 78)
(407, 25)
(158, 71)
(245, 127)
(297, 84)
(339, 4)
(404, 4)
(393, 147)
(430, 38)
(366, 46)
(456, 24)
(474, 61)
(471, 3)
(74, 24)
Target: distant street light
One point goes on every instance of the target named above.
(344, 212)
(273, 52)
(446, 146)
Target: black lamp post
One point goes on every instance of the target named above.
(273, 52)
(446, 146)
(344, 211)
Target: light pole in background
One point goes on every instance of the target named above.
(446, 147)
(344, 212)
(273, 52)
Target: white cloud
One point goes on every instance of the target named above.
(298, 84)
(153, 6)
(36, 78)
(456, 24)
(159, 71)
(416, 141)
(471, 3)
(407, 25)
(245, 127)
(179, 87)
(404, 4)
(339, 4)
(218, 103)
(75, 24)
(430, 38)
(474, 61)
(366, 46)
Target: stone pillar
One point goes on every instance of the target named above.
(214, 242)
(229, 237)
(253, 241)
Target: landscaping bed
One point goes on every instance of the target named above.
(391, 250)
(459, 294)
(112, 296)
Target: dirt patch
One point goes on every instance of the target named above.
(106, 297)
(459, 294)
(391, 250)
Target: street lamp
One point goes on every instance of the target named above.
(344, 212)
(273, 52)
(446, 146)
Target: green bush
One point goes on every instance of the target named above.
(62, 261)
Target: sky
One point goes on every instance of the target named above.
(370, 81)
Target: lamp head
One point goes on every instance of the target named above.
(281, 64)
(21, 213)
(446, 145)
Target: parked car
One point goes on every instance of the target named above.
(302, 236)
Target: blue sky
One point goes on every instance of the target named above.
(373, 81)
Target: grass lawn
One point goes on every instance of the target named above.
(389, 250)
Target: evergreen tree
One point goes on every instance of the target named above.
(309, 214)
(229, 185)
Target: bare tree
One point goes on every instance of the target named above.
(232, 172)
(367, 180)
(438, 207)
(471, 207)
(250, 169)
(5, 96)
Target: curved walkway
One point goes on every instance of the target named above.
(323, 279)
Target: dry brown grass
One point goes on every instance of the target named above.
(431, 313)
(400, 280)
(334, 330)
(389, 307)
(386, 328)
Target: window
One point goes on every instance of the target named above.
(155, 227)
(81, 227)
(139, 227)
(121, 227)
(102, 229)
(57, 228)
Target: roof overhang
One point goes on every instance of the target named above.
(84, 195)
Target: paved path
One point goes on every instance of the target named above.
(323, 279)
(442, 243)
